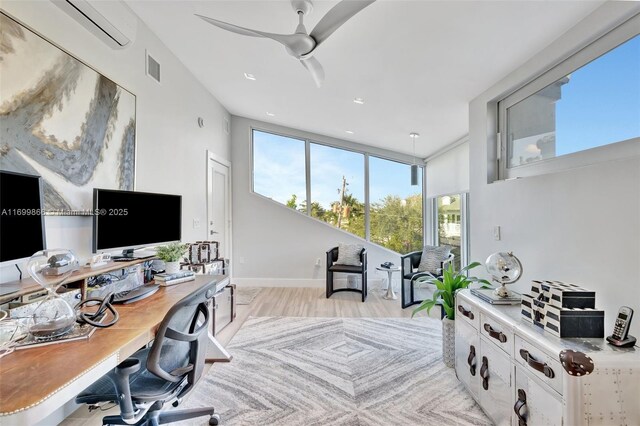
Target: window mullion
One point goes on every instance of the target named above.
(307, 159)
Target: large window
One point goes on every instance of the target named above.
(589, 101)
(396, 206)
(449, 225)
(330, 184)
(337, 188)
(279, 168)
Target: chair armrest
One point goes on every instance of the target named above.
(121, 382)
(332, 256)
(363, 259)
(447, 261)
(410, 261)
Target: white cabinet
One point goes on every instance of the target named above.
(524, 376)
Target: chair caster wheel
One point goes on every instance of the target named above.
(214, 419)
(177, 402)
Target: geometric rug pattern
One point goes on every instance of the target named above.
(336, 371)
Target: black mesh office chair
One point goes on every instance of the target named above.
(165, 372)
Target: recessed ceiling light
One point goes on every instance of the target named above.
(249, 76)
(349, 131)
(270, 114)
(359, 101)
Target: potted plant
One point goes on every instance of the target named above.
(171, 255)
(445, 296)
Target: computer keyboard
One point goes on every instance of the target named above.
(139, 293)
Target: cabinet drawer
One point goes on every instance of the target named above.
(497, 333)
(467, 312)
(534, 403)
(539, 363)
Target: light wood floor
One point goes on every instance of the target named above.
(290, 302)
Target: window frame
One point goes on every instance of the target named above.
(612, 151)
(377, 152)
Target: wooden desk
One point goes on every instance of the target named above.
(35, 382)
(77, 279)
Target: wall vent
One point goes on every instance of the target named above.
(153, 68)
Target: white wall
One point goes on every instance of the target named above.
(448, 173)
(580, 226)
(171, 148)
(274, 245)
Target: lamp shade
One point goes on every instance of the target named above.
(414, 175)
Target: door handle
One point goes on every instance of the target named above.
(465, 312)
(519, 405)
(498, 335)
(537, 365)
(471, 360)
(484, 373)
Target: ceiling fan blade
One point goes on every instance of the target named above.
(316, 70)
(337, 16)
(285, 39)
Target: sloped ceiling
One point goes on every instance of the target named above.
(417, 64)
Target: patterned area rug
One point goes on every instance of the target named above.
(245, 295)
(336, 371)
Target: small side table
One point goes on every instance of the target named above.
(390, 295)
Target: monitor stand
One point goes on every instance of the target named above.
(130, 254)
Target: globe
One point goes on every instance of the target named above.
(505, 269)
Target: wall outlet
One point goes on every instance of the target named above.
(496, 233)
(318, 261)
(196, 223)
(241, 260)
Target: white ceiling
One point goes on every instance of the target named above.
(417, 64)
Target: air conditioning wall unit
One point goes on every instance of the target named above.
(111, 21)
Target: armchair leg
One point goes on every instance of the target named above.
(329, 284)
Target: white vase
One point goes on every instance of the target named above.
(171, 267)
(448, 342)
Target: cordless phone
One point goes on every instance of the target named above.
(620, 336)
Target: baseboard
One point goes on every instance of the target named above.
(295, 282)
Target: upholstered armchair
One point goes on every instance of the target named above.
(410, 270)
(332, 257)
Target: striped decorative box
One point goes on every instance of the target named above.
(563, 295)
(564, 310)
(574, 322)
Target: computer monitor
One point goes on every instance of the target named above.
(128, 220)
(22, 231)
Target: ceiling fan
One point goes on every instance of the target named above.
(302, 45)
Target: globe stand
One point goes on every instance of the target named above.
(54, 316)
(502, 291)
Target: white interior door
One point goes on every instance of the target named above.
(219, 204)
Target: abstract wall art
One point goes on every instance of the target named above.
(62, 120)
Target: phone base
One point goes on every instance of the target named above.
(629, 341)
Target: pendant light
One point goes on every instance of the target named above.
(414, 166)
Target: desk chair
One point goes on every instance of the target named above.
(165, 372)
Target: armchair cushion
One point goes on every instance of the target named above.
(432, 258)
(349, 254)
